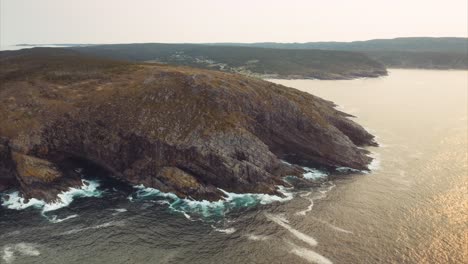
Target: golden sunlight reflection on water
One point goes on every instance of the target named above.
(414, 209)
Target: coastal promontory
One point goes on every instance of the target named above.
(178, 129)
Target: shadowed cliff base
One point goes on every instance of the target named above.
(178, 129)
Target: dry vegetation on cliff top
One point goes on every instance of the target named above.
(179, 129)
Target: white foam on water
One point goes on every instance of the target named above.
(308, 254)
(310, 173)
(105, 225)
(88, 189)
(209, 208)
(308, 209)
(382, 145)
(375, 163)
(251, 198)
(187, 216)
(301, 236)
(227, 231)
(177, 204)
(15, 201)
(348, 170)
(314, 174)
(8, 254)
(282, 218)
(149, 192)
(339, 229)
(109, 224)
(163, 202)
(75, 230)
(25, 249)
(118, 211)
(54, 219)
(322, 193)
(324, 190)
(257, 237)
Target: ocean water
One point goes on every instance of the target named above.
(411, 208)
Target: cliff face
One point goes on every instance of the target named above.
(182, 130)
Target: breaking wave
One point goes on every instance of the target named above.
(191, 209)
(375, 163)
(314, 174)
(16, 202)
(206, 208)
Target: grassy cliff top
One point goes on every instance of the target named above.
(179, 129)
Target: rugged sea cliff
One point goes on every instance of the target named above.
(177, 129)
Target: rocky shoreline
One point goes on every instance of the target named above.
(177, 129)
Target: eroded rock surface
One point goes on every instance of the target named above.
(178, 129)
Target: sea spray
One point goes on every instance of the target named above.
(16, 202)
(311, 173)
(375, 163)
(88, 189)
(8, 254)
(206, 208)
(314, 174)
(186, 206)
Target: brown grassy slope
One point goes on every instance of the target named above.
(179, 129)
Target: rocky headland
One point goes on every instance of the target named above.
(178, 129)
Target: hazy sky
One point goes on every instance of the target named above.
(124, 21)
